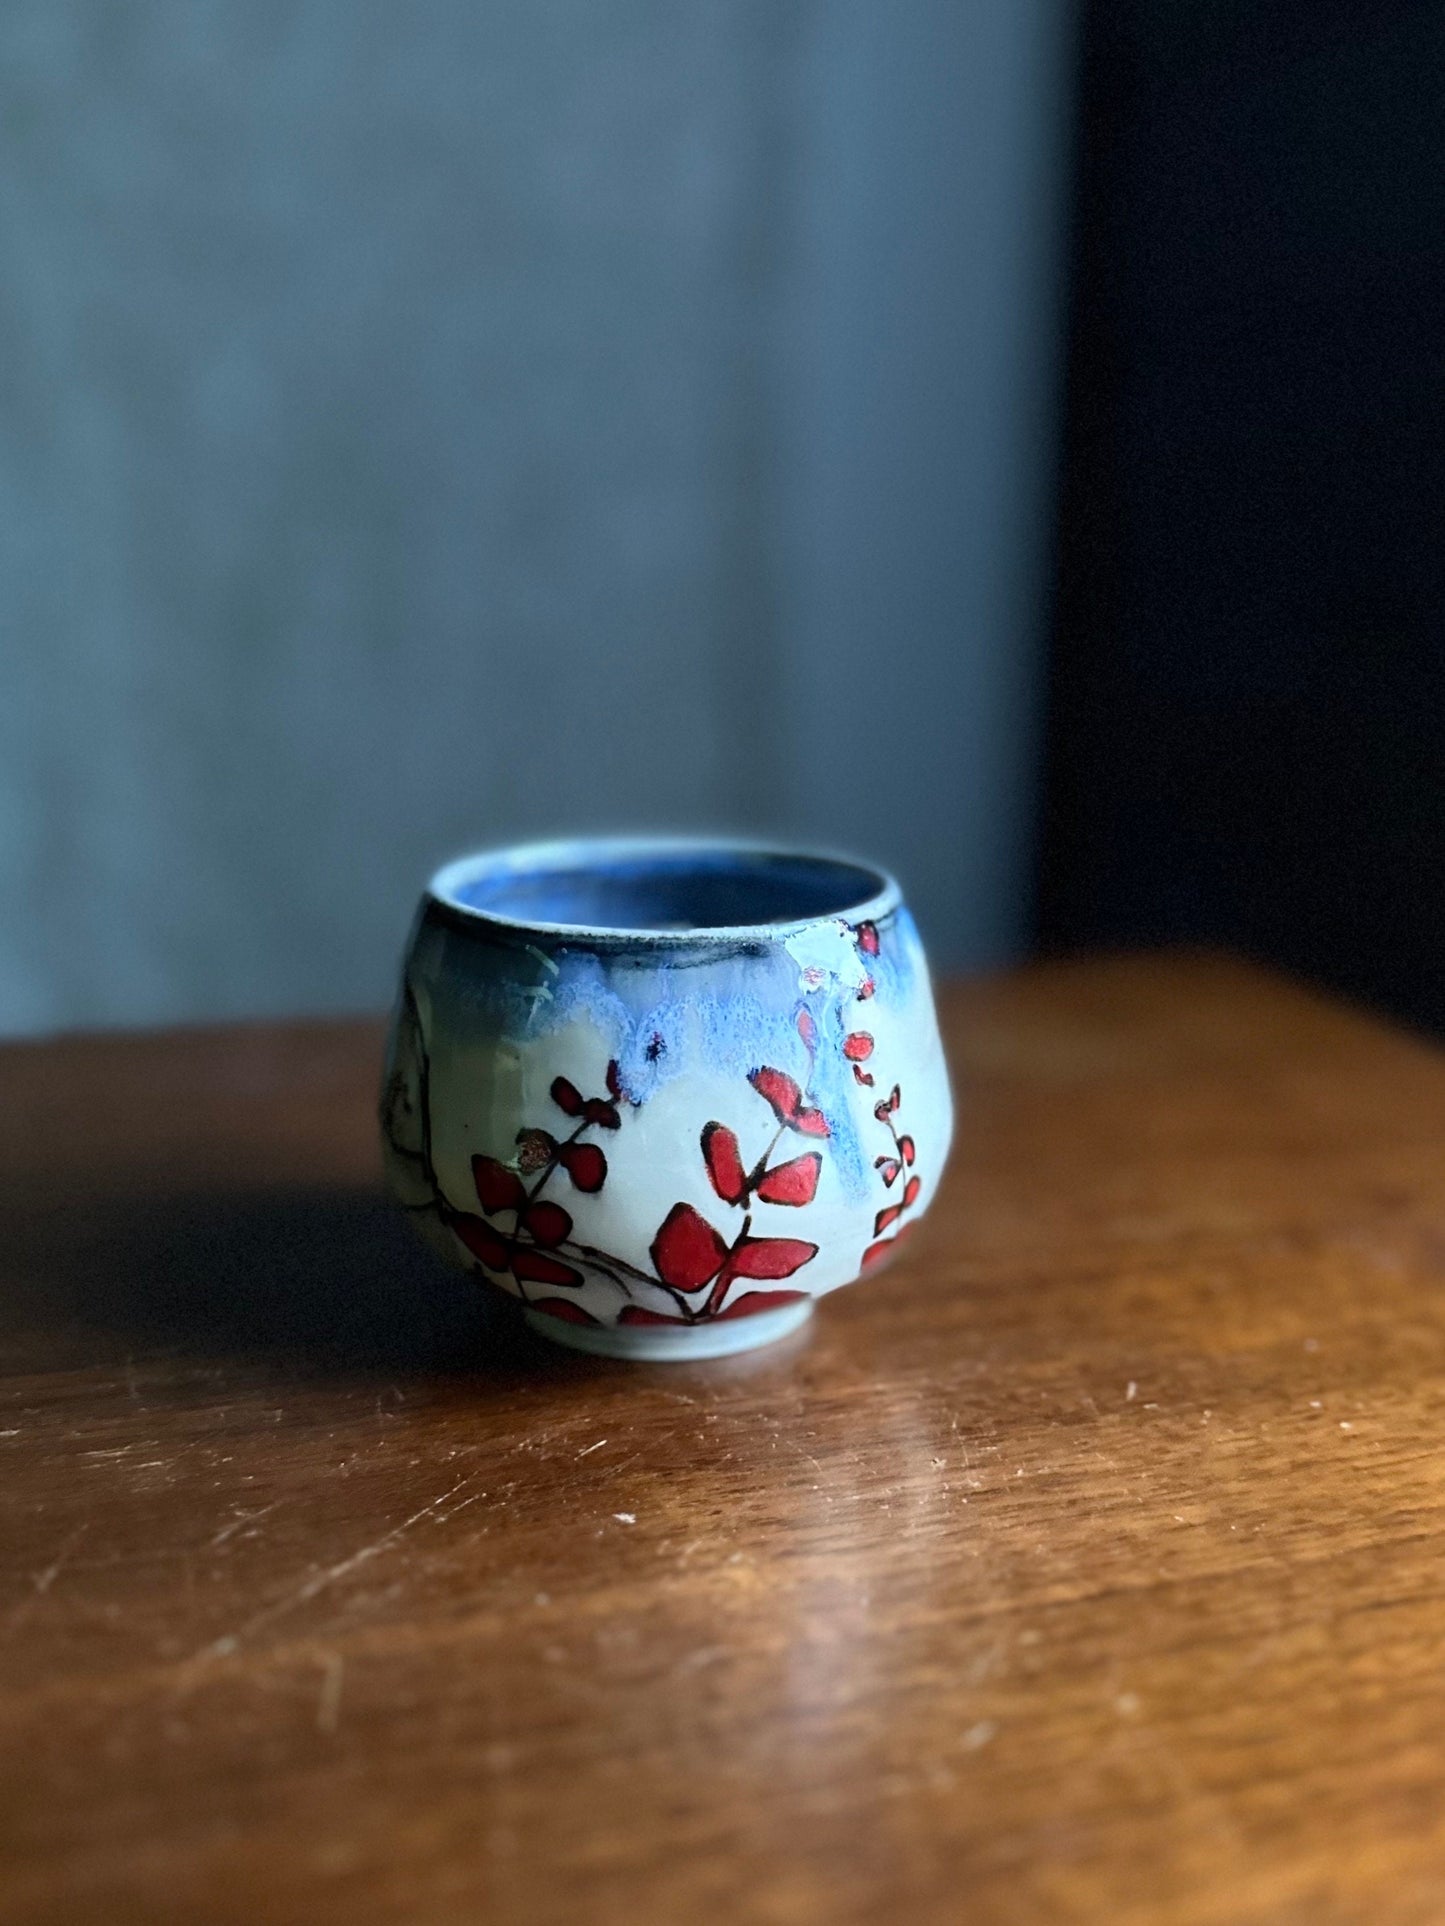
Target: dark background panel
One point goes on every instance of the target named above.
(1247, 708)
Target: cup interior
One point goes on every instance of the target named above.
(661, 888)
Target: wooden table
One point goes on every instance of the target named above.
(1086, 1567)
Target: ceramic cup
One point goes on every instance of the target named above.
(664, 1093)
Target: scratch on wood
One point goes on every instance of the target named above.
(41, 1582)
(318, 1582)
(242, 1518)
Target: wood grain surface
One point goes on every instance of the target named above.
(1087, 1566)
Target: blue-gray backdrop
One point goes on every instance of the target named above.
(427, 425)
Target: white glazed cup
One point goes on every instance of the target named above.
(664, 1093)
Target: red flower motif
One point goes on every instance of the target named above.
(687, 1251)
(563, 1308)
(482, 1241)
(877, 1254)
(768, 1257)
(689, 1254)
(868, 938)
(567, 1096)
(807, 1029)
(548, 1223)
(794, 1182)
(584, 1164)
(601, 1111)
(866, 989)
(522, 1260)
(724, 1163)
(787, 1101)
(780, 1090)
(751, 1302)
(858, 1046)
(592, 1110)
(892, 1165)
(498, 1188)
(538, 1268)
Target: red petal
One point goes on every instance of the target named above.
(889, 1215)
(812, 1123)
(911, 1190)
(497, 1187)
(770, 1257)
(751, 1302)
(780, 1090)
(866, 989)
(876, 1253)
(895, 1097)
(724, 1165)
(881, 1110)
(563, 1308)
(638, 1314)
(905, 1144)
(541, 1269)
(890, 1167)
(858, 1046)
(584, 1164)
(598, 1111)
(687, 1250)
(868, 938)
(807, 1029)
(614, 1081)
(793, 1182)
(482, 1241)
(863, 1076)
(566, 1096)
(548, 1223)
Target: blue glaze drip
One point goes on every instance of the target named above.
(739, 1012)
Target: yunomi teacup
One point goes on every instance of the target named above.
(665, 1093)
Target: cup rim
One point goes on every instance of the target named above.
(586, 852)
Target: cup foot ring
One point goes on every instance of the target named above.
(654, 1344)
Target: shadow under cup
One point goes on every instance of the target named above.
(664, 1094)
